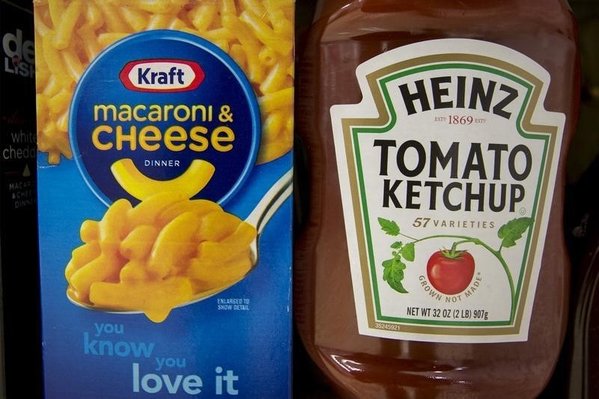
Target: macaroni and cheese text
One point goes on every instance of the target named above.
(258, 35)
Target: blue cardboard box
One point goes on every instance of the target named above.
(165, 168)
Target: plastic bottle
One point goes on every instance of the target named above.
(430, 254)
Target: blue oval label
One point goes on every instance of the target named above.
(164, 110)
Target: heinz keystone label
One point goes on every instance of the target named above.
(447, 169)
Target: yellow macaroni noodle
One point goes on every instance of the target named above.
(164, 252)
(257, 34)
(191, 182)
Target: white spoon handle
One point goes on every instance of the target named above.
(271, 201)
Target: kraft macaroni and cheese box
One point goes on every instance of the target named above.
(165, 175)
(19, 274)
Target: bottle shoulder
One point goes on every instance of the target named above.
(492, 23)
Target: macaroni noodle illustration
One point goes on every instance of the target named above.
(164, 252)
(258, 35)
(191, 182)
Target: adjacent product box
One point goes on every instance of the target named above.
(19, 273)
(165, 177)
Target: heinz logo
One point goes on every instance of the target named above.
(162, 75)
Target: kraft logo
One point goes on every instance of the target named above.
(162, 75)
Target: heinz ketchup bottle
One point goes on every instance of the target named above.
(430, 254)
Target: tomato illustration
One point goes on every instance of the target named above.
(450, 272)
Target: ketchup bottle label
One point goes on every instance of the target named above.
(447, 169)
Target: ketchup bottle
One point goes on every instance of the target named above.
(430, 252)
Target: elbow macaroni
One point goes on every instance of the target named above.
(257, 34)
(191, 182)
(164, 252)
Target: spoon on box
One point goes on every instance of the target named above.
(259, 218)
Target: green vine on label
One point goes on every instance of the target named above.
(402, 252)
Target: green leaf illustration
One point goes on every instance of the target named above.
(512, 231)
(394, 274)
(389, 226)
(408, 252)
